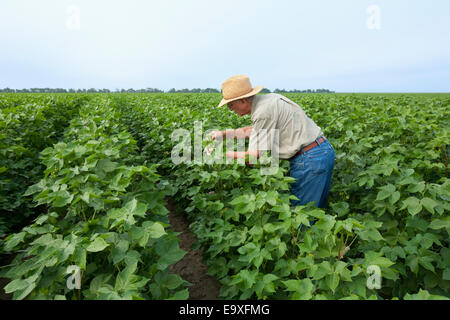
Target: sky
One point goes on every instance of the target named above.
(344, 46)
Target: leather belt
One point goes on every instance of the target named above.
(310, 146)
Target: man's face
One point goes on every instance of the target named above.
(241, 107)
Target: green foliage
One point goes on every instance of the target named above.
(388, 204)
(28, 124)
(105, 216)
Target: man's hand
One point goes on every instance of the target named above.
(231, 154)
(216, 135)
(243, 155)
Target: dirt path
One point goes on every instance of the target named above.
(191, 268)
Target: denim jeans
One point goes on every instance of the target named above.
(312, 171)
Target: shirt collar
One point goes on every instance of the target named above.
(255, 102)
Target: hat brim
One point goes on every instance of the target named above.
(255, 91)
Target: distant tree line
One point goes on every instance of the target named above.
(92, 90)
(303, 91)
(149, 90)
(195, 90)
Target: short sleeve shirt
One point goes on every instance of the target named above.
(280, 125)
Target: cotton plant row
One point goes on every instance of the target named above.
(105, 232)
(28, 124)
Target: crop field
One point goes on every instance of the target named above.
(86, 179)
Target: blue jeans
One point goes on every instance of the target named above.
(312, 171)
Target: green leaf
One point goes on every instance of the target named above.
(125, 277)
(385, 192)
(107, 165)
(399, 252)
(41, 219)
(323, 269)
(446, 274)
(271, 197)
(245, 203)
(416, 187)
(79, 257)
(13, 240)
(98, 282)
(173, 281)
(370, 234)
(169, 252)
(431, 280)
(394, 197)
(119, 251)
(236, 238)
(247, 277)
(302, 289)
(424, 295)
(271, 227)
(132, 258)
(62, 198)
(135, 208)
(284, 211)
(341, 208)
(375, 258)
(256, 232)
(17, 284)
(430, 238)
(20, 292)
(300, 219)
(413, 205)
(34, 188)
(407, 179)
(23, 293)
(426, 263)
(440, 223)
(332, 281)
(417, 223)
(127, 212)
(240, 200)
(97, 245)
(268, 282)
(156, 230)
(309, 244)
(412, 261)
(180, 295)
(326, 223)
(429, 204)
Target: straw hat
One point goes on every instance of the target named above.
(238, 87)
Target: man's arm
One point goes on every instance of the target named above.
(241, 133)
(261, 137)
(242, 154)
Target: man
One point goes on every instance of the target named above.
(300, 140)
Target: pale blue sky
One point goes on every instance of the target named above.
(199, 43)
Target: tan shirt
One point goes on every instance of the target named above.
(276, 113)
